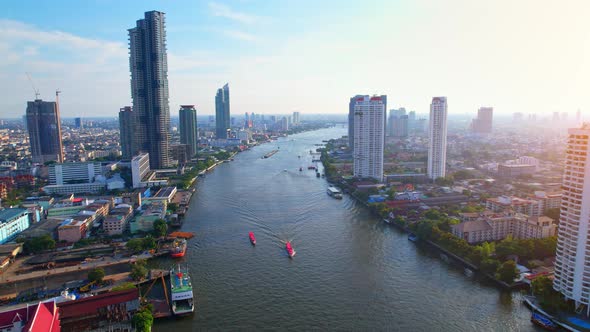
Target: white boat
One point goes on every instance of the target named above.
(334, 192)
(182, 292)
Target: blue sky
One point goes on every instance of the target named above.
(309, 56)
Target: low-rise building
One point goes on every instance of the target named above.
(489, 226)
(520, 205)
(77, 188)
(43, 316)
(12, 222)
(117, 221)
(71, 230)
(512, 171)
(149, 213)
(108, 311)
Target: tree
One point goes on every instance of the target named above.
(160, 228)
(38, 244)
(489, 266)
(143, 320)
(123, 286)
(507, 271)
(134, 245)
(148, 243)
(138, 271)
(96, 275)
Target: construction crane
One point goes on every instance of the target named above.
(33, 85)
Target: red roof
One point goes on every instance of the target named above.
(91, 305)
(375, 98)
(42, 317)
(45, 319)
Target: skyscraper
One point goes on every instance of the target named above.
(188, 128)
(295, 118)
(437, 150)
(351, 106)
(483, 123)
(44, 126)
(126, 130)
(571, 272)
(78, 122)
(148, 64)
(398, 123)
(369, 133)
(222, 112)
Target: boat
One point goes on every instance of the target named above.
(252, 238)
(300, 169)
(290, 251)
(468, 272)
(543, 321)
(310, 167)
(334, 192)
(387, 221)
(181, 291)
(317, 174)
(178, 248)
(413, 237)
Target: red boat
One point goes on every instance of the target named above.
(179, 248)
(252, 238)
(290, 250)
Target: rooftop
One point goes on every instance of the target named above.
(7, 215)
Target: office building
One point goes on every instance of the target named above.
(126, 129)
(149, 88)
(12, 222)
(296, 118)
(70, 173)
(398, 123)
(437, 150)
(571, 271)
(483, 123)
(369, 134)
(188, 128)
(285, 123)
(78, 123)
(44, 126)
(140, 168)
(222, 115)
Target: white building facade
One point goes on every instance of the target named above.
(572, 263)
(369, 136)
(140, 167)
(437, 150)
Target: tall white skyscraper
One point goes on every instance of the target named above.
(437, 151)
(572, 257)
(369, 135)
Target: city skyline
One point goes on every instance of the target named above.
(76, 52)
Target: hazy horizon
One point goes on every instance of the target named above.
(280, 57)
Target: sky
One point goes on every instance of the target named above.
(280, 56)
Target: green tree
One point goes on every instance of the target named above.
(489, 265)
(148, 243)
(138, 271)
(507, 272)
(123, 286)
(506, 247)
(37, 244)
(143, 321)
(96, 275)
(134, 245)
(160, 228)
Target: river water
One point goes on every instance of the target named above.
(351, 270)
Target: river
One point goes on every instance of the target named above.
(351, 270)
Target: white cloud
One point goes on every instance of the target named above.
(222, 10)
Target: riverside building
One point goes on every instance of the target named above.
(369, 133)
